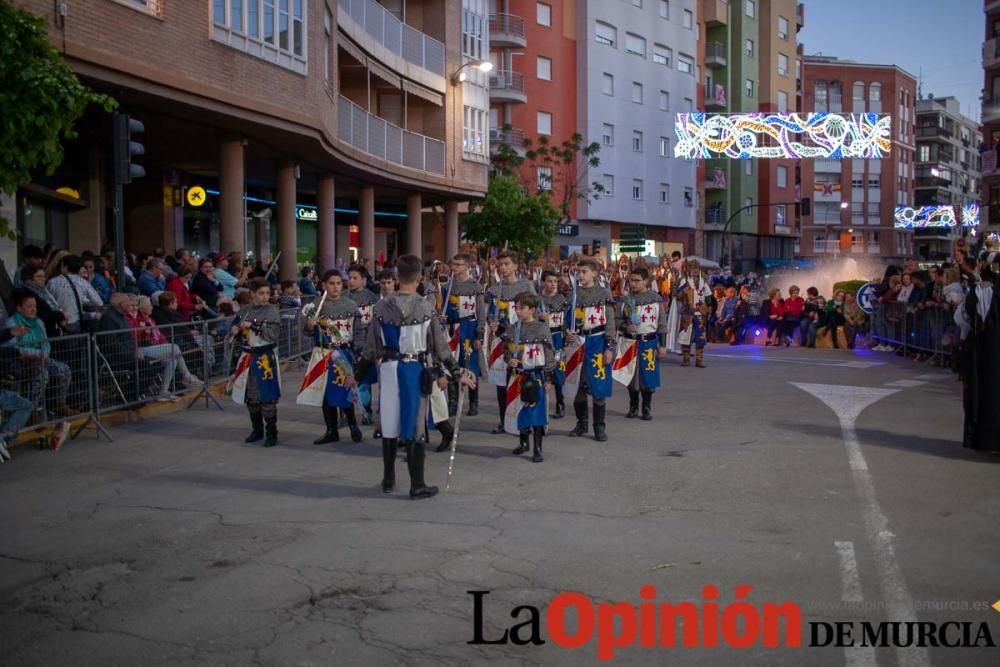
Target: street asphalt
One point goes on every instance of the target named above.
(177, 544)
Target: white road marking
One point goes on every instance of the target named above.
(761, 357)
(850, 591)
(936, 377)
(847, 403)
(906, 384)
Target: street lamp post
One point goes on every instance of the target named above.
(459, 75)
(728, 237)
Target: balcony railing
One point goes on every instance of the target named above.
(403, 40)
(715, 95)
(377, 136)
(991, 52)
(991, 107)
(507, 80)
(715, 216)
(933, 131)
(511, 136)
(715, 54)
(874, 248)
(507, 28)
(828, 245)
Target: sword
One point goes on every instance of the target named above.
(454, 438)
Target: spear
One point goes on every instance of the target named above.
(454, 438)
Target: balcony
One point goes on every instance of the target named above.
(827, 245)
(395, 43)
(512, 136)
(507, 30)
(715, 97)
(991, 52)
(715, 55)
(380, 138)
(800, 16)
(933, 132)
(991, 108)
(507, 86)
(931, 182)
(715, 175)
(715, 13)
(715, 216)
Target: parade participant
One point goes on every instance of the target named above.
(465, 314)
(592, 326)
(672, 282)
(644, 322)
(530, 356)
(257, 379)
(387, 283)
(553, 312)
(981, 354)
(691, 296)
(357, 281)
(331, 323)
(404, 343)
(501, 315)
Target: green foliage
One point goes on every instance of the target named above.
(510, 216)
(850, 286)
(41, 100)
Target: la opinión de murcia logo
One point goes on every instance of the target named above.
(572, 620)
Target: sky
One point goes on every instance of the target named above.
(937, 41)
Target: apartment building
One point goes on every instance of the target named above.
(990, 213)
(320, 129)
(947, 169)
(854, 200)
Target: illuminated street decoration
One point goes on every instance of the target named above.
(970, 215)
(782, 135)
(942, 215)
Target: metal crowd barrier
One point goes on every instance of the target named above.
(88, 376)
(924, 331)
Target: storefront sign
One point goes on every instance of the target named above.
(196, 196)
(569, 229)
(303, 213)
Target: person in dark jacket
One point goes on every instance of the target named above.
(204, 284)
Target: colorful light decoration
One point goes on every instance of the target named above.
(943, 215)
(782, 135)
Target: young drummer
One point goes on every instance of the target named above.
(553, 312)
(594, 328)
(332, 329)
(501, 315)
(405, 343)
(257, 381)
(644, 321)
(530, 356)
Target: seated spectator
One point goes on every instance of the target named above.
(854, 319)
(228, 282)
(33, 278)
(775, 314)
(77, 299)
(813, 317)
(306, 284)
(743, 318)
(34, 349)
(166, 315)
(727, 315)
(205, 286)
(151, 279)
(187, 303)
(16, 410)
(95, 276)
(290, 296)
(154, 346)
(33, 257)
(794, 307)
(835, 314)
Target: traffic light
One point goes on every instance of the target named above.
(124, 148)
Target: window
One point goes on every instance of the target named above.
(662, 55)
(780, 214)
(544, 122)
(836, 96)
(748, 88)
(750, 7)
(858, 97)
(857, 183)
(606, 34)
(637, 141)
(609, 185)
(543, 14)
(664, 101)
(544, 68)
(327, 40)
(277, 32)
(689, 196)
(664, 146)
(608, 134)
(782, 101)
(474, 137)
(749, 48)
(664, 193)
(665, 9)
(782, 176)
(688, 21)
(782, 28)
(153, 7)
(608, 84)
(822, 103)
(637, 92)
(685, 64)
(473, 35)
(923, 153)
(636, 189)
(875, 183)
(748, 167)
(875, 97)
(543, 176)
(688, 104)
(635, 45)
(782, 64)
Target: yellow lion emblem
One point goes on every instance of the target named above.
(264, 364)
(600, 372)
(339, 376)
(650, 358)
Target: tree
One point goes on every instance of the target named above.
(41, 100)
(509, 216)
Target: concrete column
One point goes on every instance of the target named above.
(366, 221)
(414, 226)
(231, 179)
(450, 228)
(286, 219)
(326, 239)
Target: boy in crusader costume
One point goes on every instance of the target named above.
(257, 380)
(644, 322)
(465, 314)
(531, 358)
(331, 323)
(357, 281)
(553, 312)
(593, 327)
(407, 345)
(500, 299)
(691, 296)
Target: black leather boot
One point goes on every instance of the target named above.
(501, 402)
(257, 426)
(581, 428)
(447, 432)
(522, 445)
(560, 404)
(331, 435)
(473, 402)
(647, 405)
(633, 404)
(600, 435)
(352, 424)
(415, 463)
(271, 431)
(536, 455)
(389, 447)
